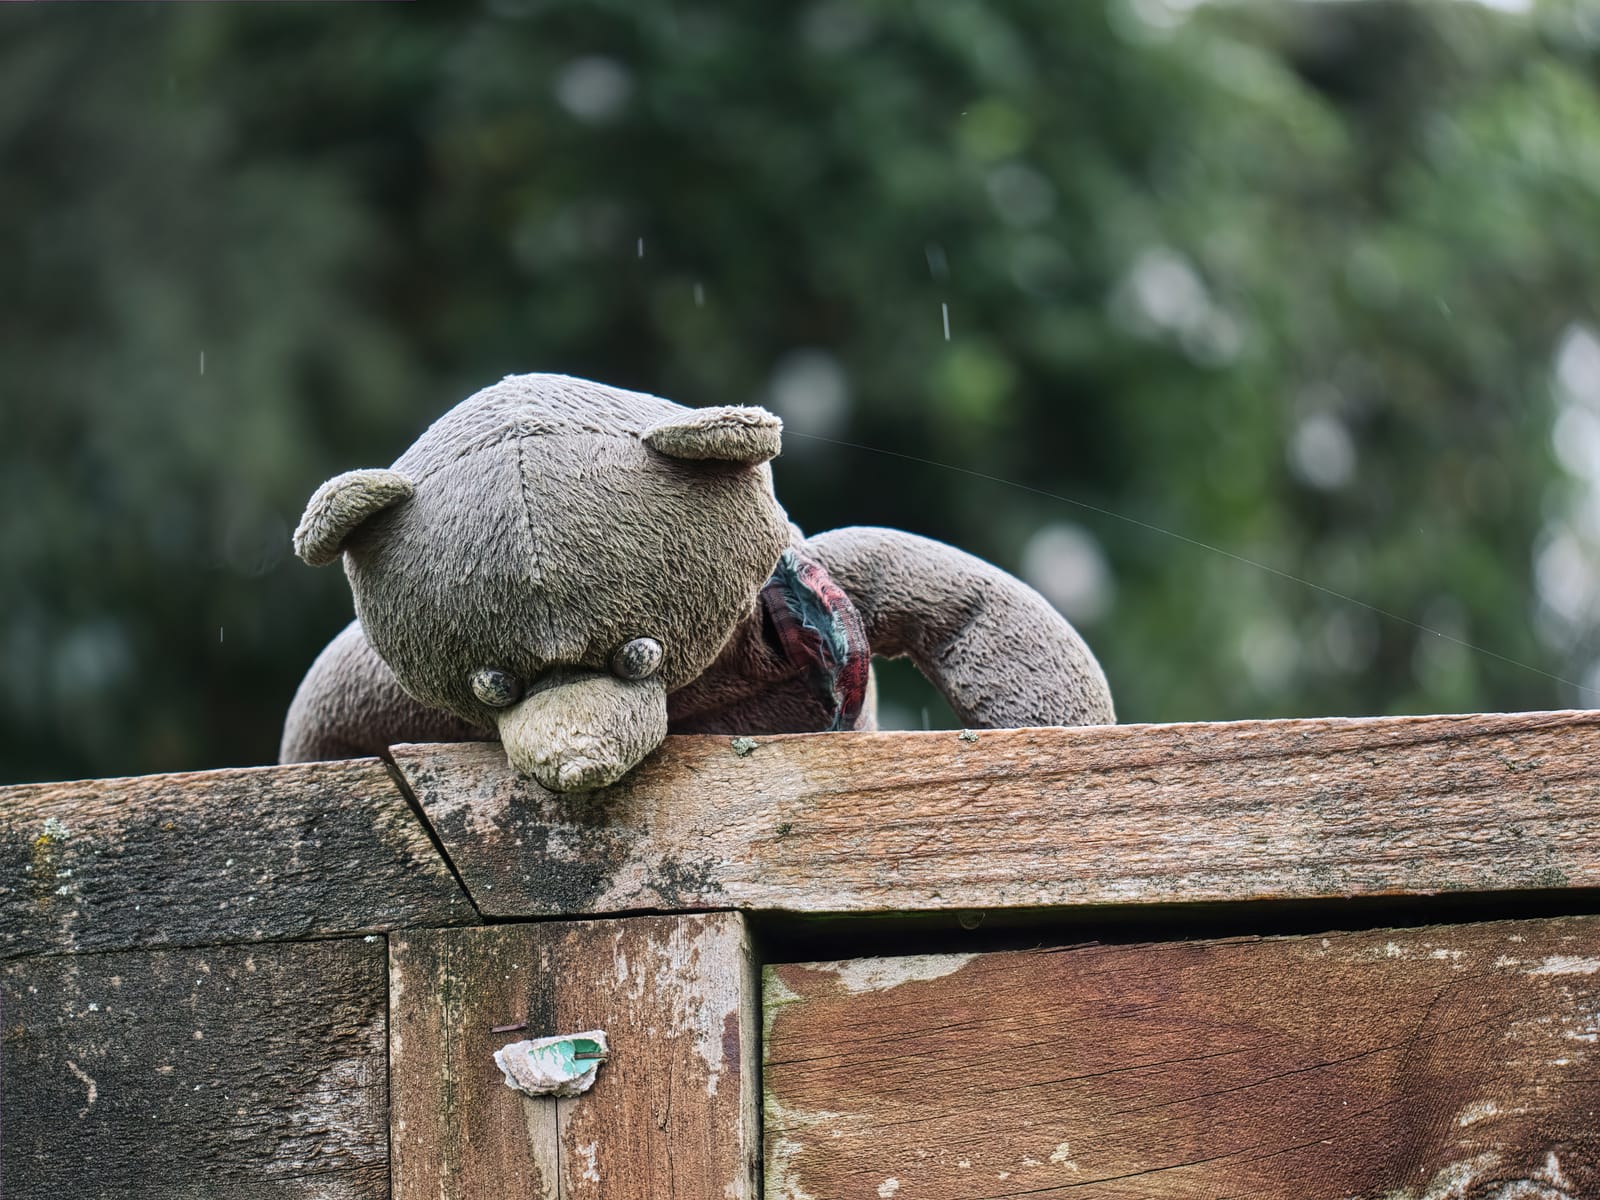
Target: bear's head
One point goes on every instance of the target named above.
(553, 557)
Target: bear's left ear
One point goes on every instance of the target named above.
(340, 506)
(739, 435)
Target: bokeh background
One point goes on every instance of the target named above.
(1314, 284)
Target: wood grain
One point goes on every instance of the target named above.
(249, 1072)
(672, 1112)
(216, 856)
(1448, 1062)
(871, 823)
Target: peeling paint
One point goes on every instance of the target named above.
(589, 1150)
(1566, 964)
(83, 1078)
(782, 1178)
(880, 974)
(1062, 1156)
(1552, 1171)
(1458, 1179)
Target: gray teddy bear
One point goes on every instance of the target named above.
(578, 570)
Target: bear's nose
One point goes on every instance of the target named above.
(595, 765)
(585, 730)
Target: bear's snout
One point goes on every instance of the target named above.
(584, 731)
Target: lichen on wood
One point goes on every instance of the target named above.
(216, 856)
(241, 1071)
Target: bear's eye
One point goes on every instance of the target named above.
(638, 659)
(496, 688)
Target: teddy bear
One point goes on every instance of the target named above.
(577, 570)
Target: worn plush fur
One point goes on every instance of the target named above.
(546, 521)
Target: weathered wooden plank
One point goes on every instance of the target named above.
(1440, 1062)
(245, 1071)
(849, 823)
(672, 1112)
(216, 856)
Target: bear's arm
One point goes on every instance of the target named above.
(349, 705)
(997, 650)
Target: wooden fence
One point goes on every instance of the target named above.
(1297, 959)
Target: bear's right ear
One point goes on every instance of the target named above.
(739, 435)
(340, 506)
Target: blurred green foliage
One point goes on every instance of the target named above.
(1309, 283)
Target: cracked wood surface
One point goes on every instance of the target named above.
(216, 856)
(672, 1112)
(255, 1072)
(863, 822)
(1451, 1061)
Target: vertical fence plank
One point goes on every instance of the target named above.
(672, 1112)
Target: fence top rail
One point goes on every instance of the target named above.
(845, 823)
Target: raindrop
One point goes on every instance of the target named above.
(945, 309)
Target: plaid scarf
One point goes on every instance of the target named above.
(821, 632)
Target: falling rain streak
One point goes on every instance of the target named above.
(945, 310)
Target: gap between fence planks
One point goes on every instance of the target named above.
(1035, 818)
(1448, 1061)
(216, 856)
